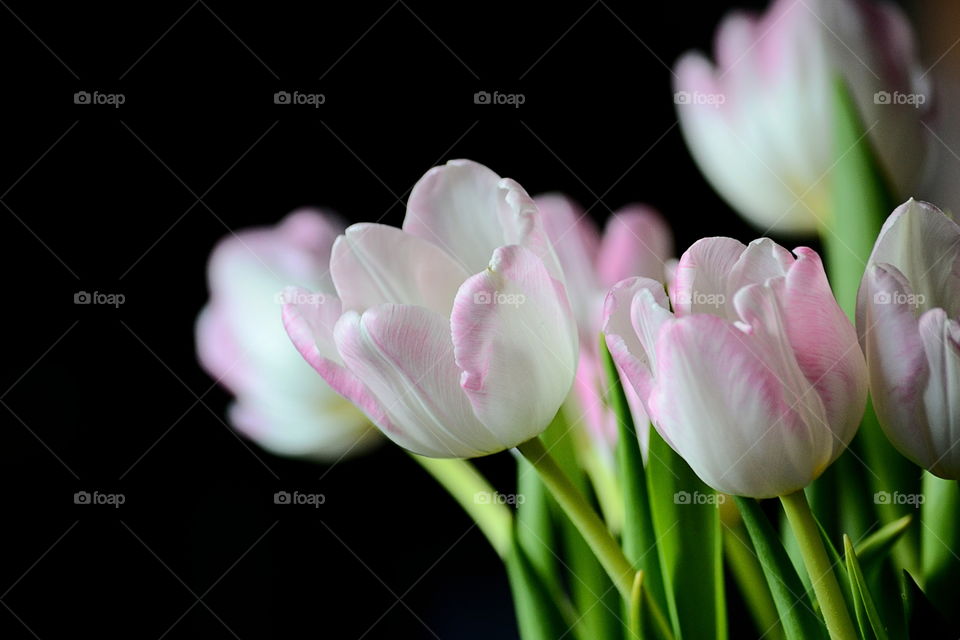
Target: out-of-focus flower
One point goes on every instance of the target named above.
(454, 334)
(756, 380)
(907, 314)
(759, 122)
(636, 242)
(280, 402)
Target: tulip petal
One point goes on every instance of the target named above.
(701, 281)
(634, 311)
(576, 242)
(924, 245)
(374, 264)
(515, 339)
(826, 345)
(941, 343)
(636, 242)
(310, 320)
(724, 411)
(761, 260)
(469, 211)
(405, 356)
(220, 354)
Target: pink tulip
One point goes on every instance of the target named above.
(907, 315)
(280, 403)
(454, 334)
(755, 378)
(759, 121)
(636, 242)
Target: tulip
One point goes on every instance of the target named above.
(755, 378)
(279, 402)
(907, 314)
(454, 334)
(758, 123)
(635, 242)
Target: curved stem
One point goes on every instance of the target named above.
(582, 515)
(818, 565)
(472, 492)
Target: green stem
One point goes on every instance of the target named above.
(579, 511)
(749, 576)
(818, 565)
(475, 495)
(635, 619)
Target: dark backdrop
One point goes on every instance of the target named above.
(130, 200)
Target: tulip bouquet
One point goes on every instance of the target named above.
(652, 403)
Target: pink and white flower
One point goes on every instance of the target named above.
(759, 121)
(636, 241)
(907, 317)
(755, 378)
(454, 334)
(280, 402)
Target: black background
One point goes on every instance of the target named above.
(130, 200)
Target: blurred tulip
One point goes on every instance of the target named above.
(758, 123)
(280, 402)
(447, 364)
(907, 314)
(757, 380)
(636, 242)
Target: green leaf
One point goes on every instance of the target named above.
(594, 596)
(875, 547)
(538, 614)
(940, 515)
(789, 595)
(864, 606)
(639, 538)
(687, 525)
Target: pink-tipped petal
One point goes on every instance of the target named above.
(701, 281)
(576, 241)
(724, 411)
(309, 320)
(515, 339)
(761, 260)
(633, 313)
(405, 356)
(636, 242)
(374, 264)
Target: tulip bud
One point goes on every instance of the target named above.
(755, 378)
(453, 334)
(907, 314)
(280, 403)
(758, 122)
